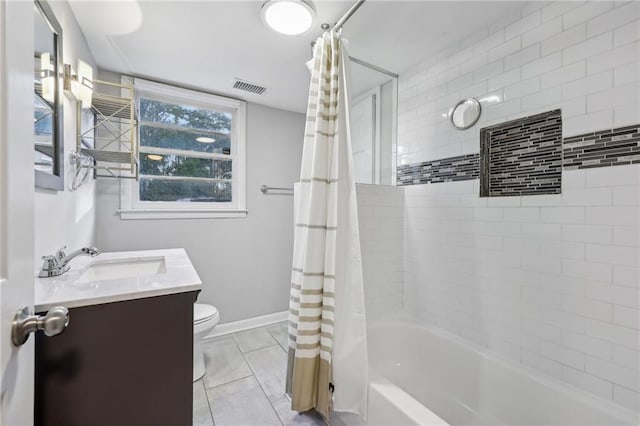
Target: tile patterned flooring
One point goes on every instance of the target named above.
(244, 383)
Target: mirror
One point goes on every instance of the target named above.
(466, 113)
(47, 118)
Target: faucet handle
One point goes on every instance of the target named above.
(60, 254)
(50, 263)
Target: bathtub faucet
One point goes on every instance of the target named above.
(58, 264)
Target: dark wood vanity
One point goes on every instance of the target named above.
(119, 364)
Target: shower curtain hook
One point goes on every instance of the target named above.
(325, 27)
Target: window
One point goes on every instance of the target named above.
(192, 155)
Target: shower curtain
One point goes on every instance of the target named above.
(327, 365)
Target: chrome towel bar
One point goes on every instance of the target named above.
(265, 189)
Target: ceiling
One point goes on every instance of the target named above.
(207, 44)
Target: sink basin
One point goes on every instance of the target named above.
(123, 269)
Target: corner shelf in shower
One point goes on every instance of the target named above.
(107, 132)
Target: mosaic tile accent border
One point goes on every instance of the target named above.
(522, 156)
(603, 148)
(615, 147)
(463, 167)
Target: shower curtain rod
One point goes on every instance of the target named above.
(338, 25)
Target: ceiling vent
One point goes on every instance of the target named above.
(249, 87)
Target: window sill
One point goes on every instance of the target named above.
(180, 214)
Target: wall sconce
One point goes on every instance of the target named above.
(79, 86)
(47, 77)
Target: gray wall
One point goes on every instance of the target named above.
(244, 263)
(66, 217)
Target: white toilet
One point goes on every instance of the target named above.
(205, 317)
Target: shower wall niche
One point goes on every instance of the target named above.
(522, 157)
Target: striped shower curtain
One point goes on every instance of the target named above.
(327, 364)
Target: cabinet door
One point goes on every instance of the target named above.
(124, 363)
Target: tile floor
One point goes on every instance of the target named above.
(244, 383)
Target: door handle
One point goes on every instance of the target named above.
(24, 323)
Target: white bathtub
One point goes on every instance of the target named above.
(424, 376)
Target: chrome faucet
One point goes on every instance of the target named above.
(58, 264)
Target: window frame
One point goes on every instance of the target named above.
(130, 205)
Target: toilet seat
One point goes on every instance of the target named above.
(204, 313)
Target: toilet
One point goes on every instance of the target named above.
(205, 317)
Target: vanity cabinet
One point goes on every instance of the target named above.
(119, 364)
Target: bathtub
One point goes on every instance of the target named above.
(425, 376)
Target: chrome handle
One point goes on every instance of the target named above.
(25, 323)
(49, 262)
(61, 253)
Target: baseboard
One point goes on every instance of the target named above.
(247, 324)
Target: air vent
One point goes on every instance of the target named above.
(249, 87)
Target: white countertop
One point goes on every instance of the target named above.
(178, 276)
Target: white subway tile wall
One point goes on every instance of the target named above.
(381, 216)
(549, 281)
(580, 57)
(548, 285)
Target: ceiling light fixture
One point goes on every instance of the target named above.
(291, 17)
(155, 157)
(203, 139)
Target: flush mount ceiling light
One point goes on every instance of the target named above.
(291, 17)
(204, 139)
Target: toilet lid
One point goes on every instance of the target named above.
(203, 312)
